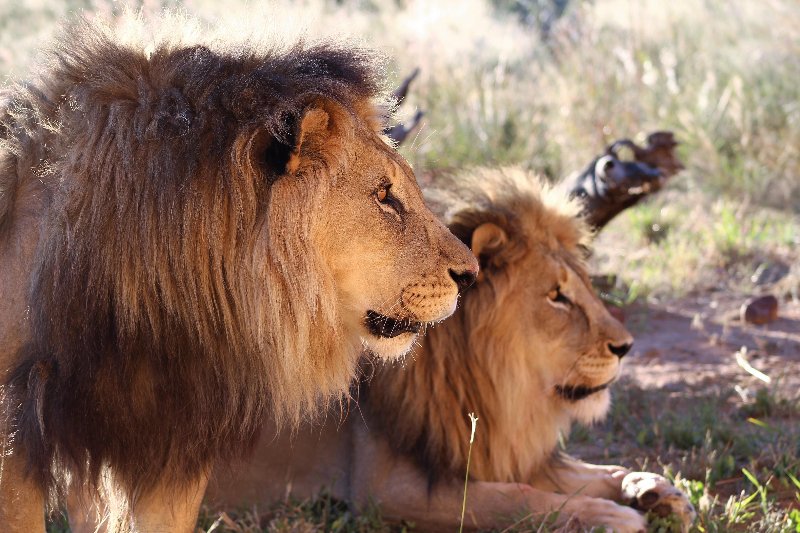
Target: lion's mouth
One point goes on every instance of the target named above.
(574, 393)
(384, 326)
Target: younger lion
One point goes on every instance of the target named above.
(194, 237)
(530, 350)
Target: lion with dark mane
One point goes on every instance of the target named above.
(530, 350)
(194, 237)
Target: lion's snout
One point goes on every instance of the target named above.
(430, 301)
(620, 349)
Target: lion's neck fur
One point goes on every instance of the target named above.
(482, 360)
(461, 369)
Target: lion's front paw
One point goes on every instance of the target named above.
(591, 512)
(653, 493)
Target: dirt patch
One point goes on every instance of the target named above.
(694, 343)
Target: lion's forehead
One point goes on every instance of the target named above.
(400, 171)
(557, 266)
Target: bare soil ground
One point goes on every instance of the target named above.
(692, 344)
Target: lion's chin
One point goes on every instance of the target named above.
(388, 337)
(389, 348)
(591, 408)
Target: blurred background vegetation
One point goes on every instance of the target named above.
(546, 84)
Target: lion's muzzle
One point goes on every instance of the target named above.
(430, 302)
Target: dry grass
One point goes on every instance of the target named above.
(685, 242)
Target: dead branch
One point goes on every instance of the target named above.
(609, 185)
(400, 132)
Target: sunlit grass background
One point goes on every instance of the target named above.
(520, 82)
(546, 84)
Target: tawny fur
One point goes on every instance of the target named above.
(484, 360)
(191, 202)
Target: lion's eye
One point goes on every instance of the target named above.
(383, 193)
(386, 198)
(556, 296)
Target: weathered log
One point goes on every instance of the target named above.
(400, 132)
(609, 185)
(401, 92)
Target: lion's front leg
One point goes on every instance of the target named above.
(165, 509)
(402, 493)
(87, 511)
(170, 510)
(566, 475)
(401, 490)
(644, 491)
(21, 500)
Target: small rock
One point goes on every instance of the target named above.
(759, 311)
(769, 273)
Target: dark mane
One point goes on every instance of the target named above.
(159, 167)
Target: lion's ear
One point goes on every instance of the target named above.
(312, 137)
(488, 240)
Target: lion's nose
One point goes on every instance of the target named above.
(620, 349)
(465, 278)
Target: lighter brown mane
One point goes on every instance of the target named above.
(479, 360)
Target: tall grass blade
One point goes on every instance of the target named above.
(474, 420)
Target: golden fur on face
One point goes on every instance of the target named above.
(380, 257)
(529, 350)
